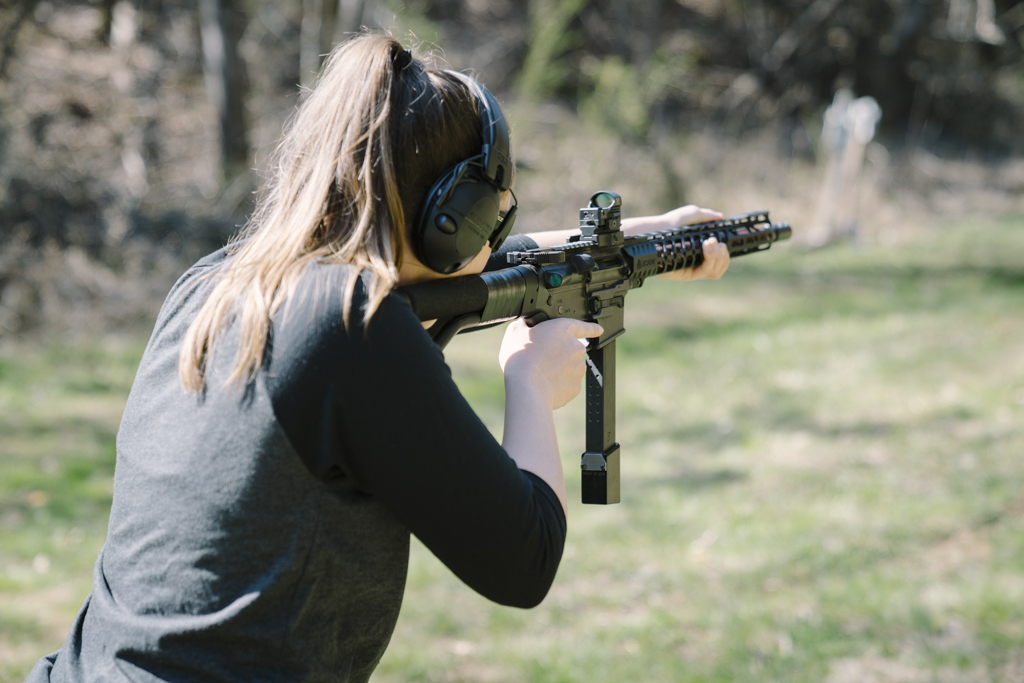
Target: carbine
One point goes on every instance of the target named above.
(587, 279)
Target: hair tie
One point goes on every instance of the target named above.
(402, 60)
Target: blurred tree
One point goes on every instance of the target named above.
(942, 66)
(222, 23)
(351, 14)
(13, 16)
(542, 71)
(324, 23)
(316, 36)
(107, 11)
(920, 59)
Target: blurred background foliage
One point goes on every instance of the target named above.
(134, 132)
(824, 479)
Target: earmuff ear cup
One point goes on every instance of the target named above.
(451, 232)
(460, 212)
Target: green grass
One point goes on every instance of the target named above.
(60, 405)
(822, 481)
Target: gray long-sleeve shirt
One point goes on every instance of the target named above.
(263, 534)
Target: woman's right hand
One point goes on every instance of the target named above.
(549, 356)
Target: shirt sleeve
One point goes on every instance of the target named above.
(378, 406)
(512, 243)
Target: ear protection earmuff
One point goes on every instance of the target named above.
(461, 211)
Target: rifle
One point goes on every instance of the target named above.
(587, 279)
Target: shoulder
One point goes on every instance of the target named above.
(187, 295)
(317, 368)
(317, 301)
(311, 327)
(209, 264)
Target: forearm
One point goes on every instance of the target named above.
(530, 438)
(440, 471)
(630, 226)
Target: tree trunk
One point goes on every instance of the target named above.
(309, 40)
(328, 27)
(222, 25)
(318, 33)
(9, 35)
(351, 12)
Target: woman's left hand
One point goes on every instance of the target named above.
(716, 256)
(716, 262)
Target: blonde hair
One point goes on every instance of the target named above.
(357, 158)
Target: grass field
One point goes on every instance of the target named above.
(822, 481)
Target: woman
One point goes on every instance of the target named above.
(291, 422)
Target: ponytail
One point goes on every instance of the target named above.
(357, 156)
